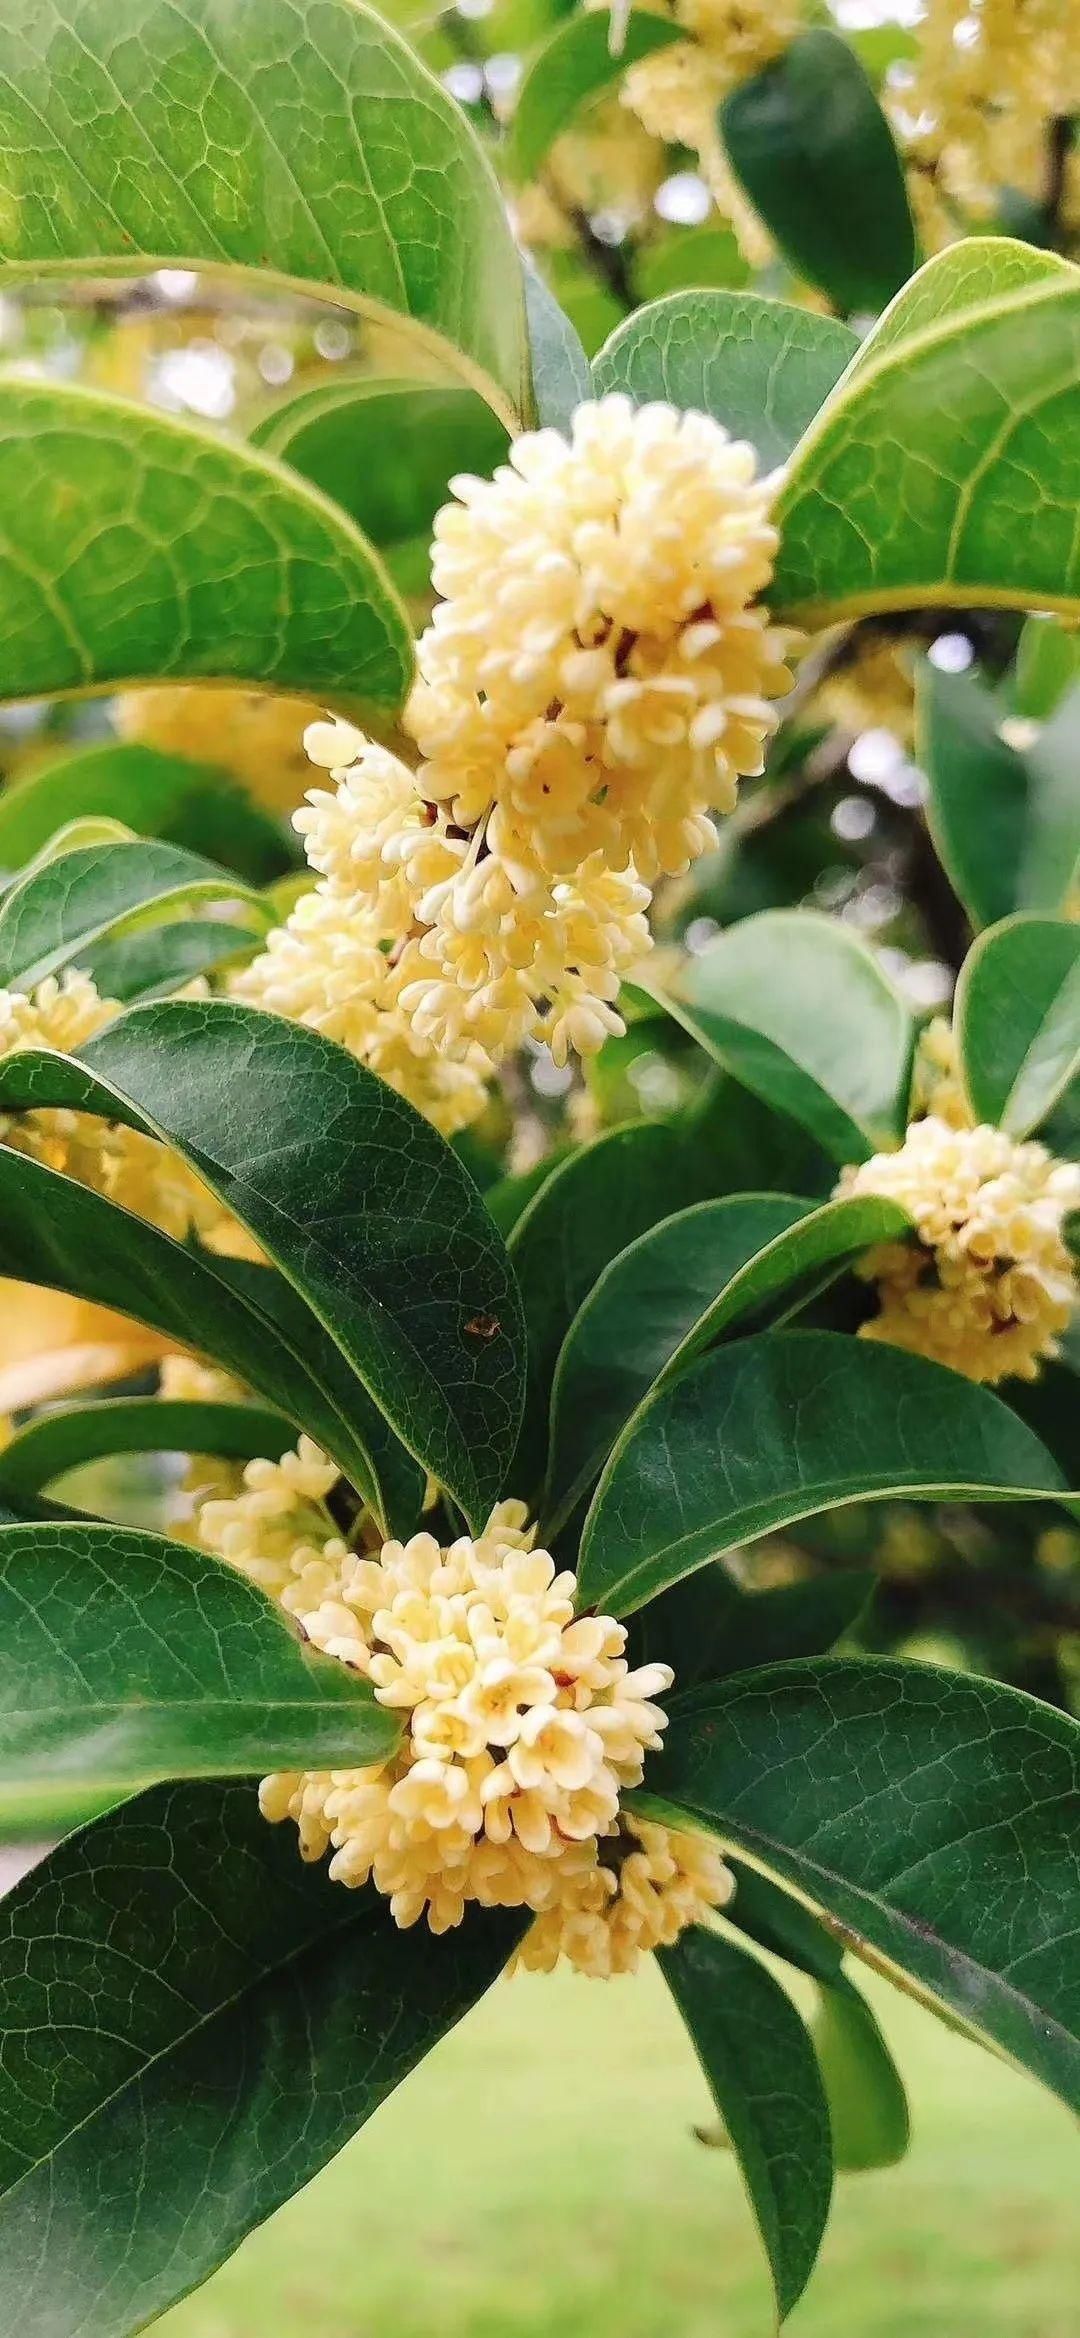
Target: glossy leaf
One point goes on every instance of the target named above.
(707, 1626)
(811, 146)
(801, 1012)
(127, 1659)
(941, 473)
(140, 548)
(1047, 667)
(967, 275)
(185, 803)
(70, 1434)
(781, 1427)
(198, 2023)
(300, 145)
(765, 2081)
(385, 451)
(677, 1290)
(362, 1206)
(1017, 1021)
(582, 59)
(57, 915)
(932, 1819)
(1006, 821)
(758, 366)
(248, 1318)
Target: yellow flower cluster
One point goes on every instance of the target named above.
(596, 677)
(675, 94)
(989, 78)
(872, 688)
(523, 1724)
(254, 734)
(608, 164)
(987, 1282)
(936, 1086)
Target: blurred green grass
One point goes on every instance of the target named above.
(538, 2178)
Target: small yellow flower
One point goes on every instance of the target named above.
(986, 1283)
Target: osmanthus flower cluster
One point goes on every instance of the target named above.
(988, 78)
(987, 1284)
(598, 674)
(523, 1725)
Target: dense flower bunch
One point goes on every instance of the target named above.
(987, 1283)
(989, 77)
(129, 1169)
(523, 1724)
(675, 94)
(256, 735)
(596, 677)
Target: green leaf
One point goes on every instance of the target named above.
(154, 964)
(128, 1659)
(758, 366)
(764, 2079)
(580, 61)
(198, 2023)
(300, 145)
(139, 548)
(70, 1434)
(359, 1202)
(810, 144)
(56, 915)
(966, 275)
(942, 472)
(868, 2110)
(932, 1819)
(800, 1011)
(706, 1626)
(1006, 822)
(1017, 1021)
(688, 259)
(782, 1427)
(561, 377)
(1047, 666)
(246, 1317)
(677, 1290)
(191, 804)
(385, 451)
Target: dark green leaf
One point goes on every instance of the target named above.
(139, 548)
(167, 957)
(1006, 823)
(71, 1434)
(191, 804)
(814, 151)
(127, 1659)
(758, 366)
(766, 2084)
(1017, 1021)
(801, 1012)
(300, 145)
(579, 62)
(363, 1207)
(933, 1819)
(677, 1290)
(246, 1317)
(781, 1427)
(58, 914)
(197, 2022)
